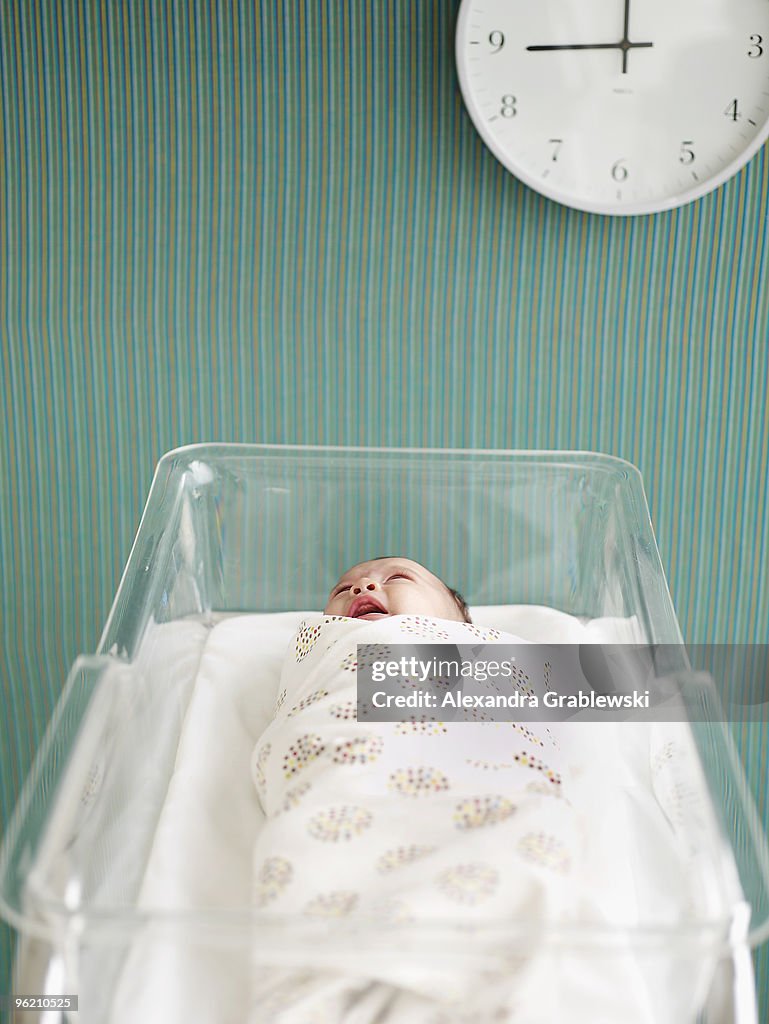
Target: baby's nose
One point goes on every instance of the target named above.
(364, 584)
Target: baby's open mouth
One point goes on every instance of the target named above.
(364, 607)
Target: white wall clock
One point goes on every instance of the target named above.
(617, 106)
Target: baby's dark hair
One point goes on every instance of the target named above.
(460, 602)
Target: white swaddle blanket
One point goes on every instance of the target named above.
(382, 829)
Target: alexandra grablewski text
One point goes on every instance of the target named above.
(520, 682)
(423, 699)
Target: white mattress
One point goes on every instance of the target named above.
(201, 854)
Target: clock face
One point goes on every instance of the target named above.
(617, 106)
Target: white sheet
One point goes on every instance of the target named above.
(201, 855)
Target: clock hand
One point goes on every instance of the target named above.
(582, 46)
(623, 44)
(625, 37)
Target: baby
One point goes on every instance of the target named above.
(394, 586)
(392, 825)
(412, 866)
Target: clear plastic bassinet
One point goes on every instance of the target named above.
(233, 529)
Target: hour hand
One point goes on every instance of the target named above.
(577, 46)
(624, 44)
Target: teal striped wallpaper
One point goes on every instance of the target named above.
(274, 221)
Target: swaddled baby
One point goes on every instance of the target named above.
(407, 824)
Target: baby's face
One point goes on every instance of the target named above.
(391, 586)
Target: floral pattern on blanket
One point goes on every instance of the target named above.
(440, 818)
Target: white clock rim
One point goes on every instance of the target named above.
(610, 209)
